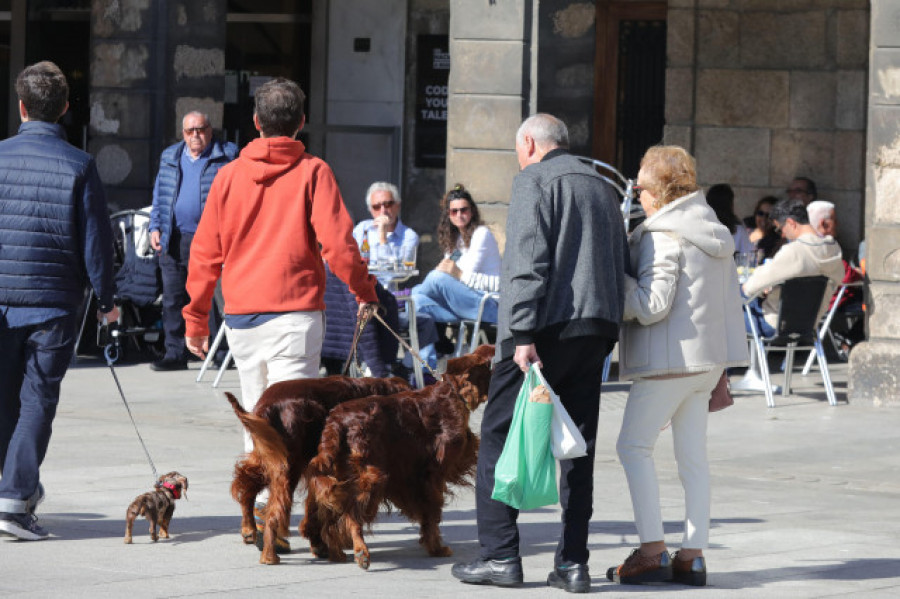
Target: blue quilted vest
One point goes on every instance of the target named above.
(43, 204)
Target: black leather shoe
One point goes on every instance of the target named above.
(573, 578)
(167, 364)
(691, 571)
(503, 573)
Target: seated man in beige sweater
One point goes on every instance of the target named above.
(806, 255)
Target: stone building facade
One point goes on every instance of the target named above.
(759, 91)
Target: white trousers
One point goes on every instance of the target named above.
(285, 348)
(651, 404)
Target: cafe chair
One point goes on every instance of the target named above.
(795, 330)
(825, 327)
(476, 327)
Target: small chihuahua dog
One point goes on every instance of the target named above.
(157, 506)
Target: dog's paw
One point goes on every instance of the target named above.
(362, 558)
(269, 560)
(128, 540)
(319, 551)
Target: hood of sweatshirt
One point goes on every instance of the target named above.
(691, 218)
(271, 157)
(825, 251)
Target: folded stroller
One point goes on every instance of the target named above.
(138, 334)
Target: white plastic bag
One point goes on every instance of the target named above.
(566, 440)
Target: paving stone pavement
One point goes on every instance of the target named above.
(805, 504)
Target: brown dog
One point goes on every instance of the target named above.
(157, 506)
(286, 425)
(405, 450)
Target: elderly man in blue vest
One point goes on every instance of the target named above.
(55, 238)
(186, 172)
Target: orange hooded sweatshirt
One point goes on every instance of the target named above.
(266, 216)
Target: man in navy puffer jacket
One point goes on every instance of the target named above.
(186, 172)
(55, 237)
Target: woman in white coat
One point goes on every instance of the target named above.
(683, 327)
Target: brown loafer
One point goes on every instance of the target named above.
(641, 569)
(689, 571)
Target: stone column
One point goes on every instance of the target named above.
(873, 365)
(151, 61)
(489, 95)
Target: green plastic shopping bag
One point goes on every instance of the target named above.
(525, 475)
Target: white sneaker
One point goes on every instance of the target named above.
(753, 382)
(22, 526)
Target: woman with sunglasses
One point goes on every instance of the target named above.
(470, 268)
(763, 235)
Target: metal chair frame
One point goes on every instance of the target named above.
(791, 338)
(476, 326)
(824, 328)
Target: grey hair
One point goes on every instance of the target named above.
(197, 112)
(382, 186)
(817, 211)
(546, 130)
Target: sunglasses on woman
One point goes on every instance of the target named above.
(455, 211)
(762, 214)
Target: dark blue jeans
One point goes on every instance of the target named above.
(573, 368)
(764, 328)
(173, 266)
(33, 361)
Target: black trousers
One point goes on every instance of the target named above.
(573, 368)
(173, 266)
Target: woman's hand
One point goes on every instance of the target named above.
(449, 266)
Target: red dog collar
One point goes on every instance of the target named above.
(172, 487)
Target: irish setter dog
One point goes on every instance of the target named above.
(286, 425)
(403, 450)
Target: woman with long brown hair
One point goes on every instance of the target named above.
(470, 268)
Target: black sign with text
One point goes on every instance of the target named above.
(433, 71)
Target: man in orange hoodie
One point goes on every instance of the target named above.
(266, 217)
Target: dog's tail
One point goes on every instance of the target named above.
(267, 442)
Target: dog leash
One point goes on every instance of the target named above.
(407, 347)
(362, 319)
(107, 353)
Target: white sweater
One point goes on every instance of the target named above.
(480, 262)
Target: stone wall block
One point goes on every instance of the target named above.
(849, 159)
(680, 38)
(812, 99)
(717, 31)
(114, 18)
(675, 135)
(124, 163)
(881, 308)
(734, 156)
(191, 62)
(679, 95)
(191, 16)
(119, 64)
(486, 67)
(121, 114)
(488, 20)
(883, 257)
(803, 153)
(874, 378)
(494, 216)
(885, 24)
(484, 122)
(478, 170)
(742, 98)
(885, 76)
(852, 38)
(887, 191)
(783, 40)
(850, 103)
(884, 136)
